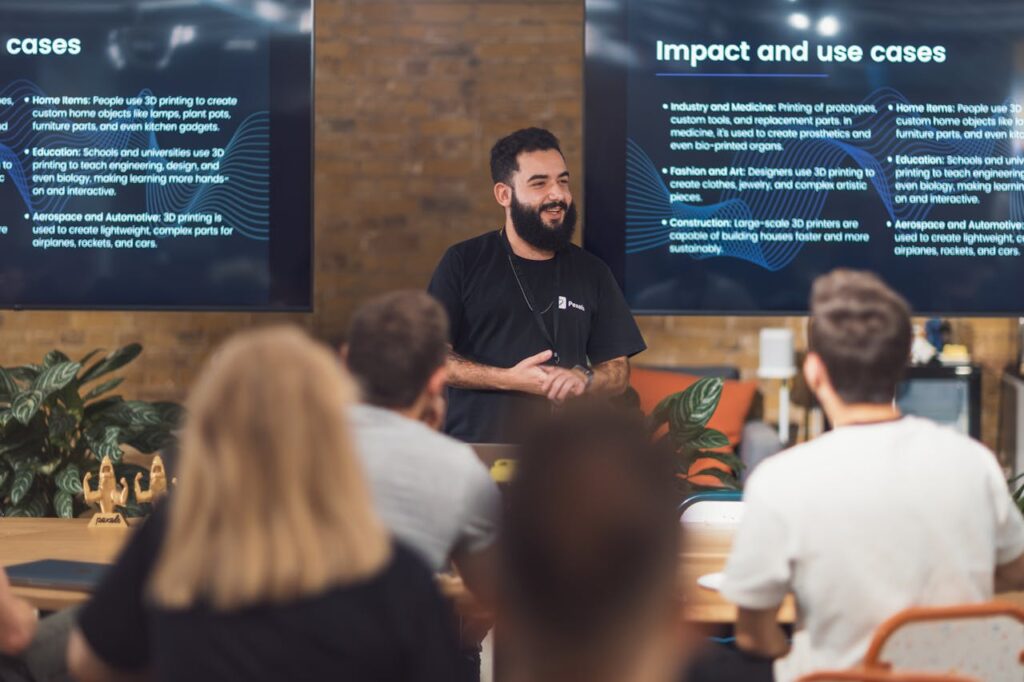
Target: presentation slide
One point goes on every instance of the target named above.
(737, 150)
(155, 155)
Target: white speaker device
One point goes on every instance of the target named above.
(776, 358)
(776, 362)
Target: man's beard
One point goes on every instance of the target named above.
(530, 226)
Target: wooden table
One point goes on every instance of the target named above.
(705, 551)
(24, 540)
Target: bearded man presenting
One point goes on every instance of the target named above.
(535, 320)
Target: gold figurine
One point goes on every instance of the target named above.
(107, 495)
(157, 482)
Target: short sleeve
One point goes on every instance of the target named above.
(446, 286)
(613, 331)
(1009, 522)
(115, 621)
(758, 571)
(481, 509)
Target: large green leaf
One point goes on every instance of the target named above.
(151, 440)
(683, 430)
(69, 479)
(701, 400)
(660, 413)
(709, 439)
(26, 404)
(130, 415)
(61, 426)
(171, 414)
(24, 372)
(55, 357)
(8, 387)
(107, 444)
(104, 387)
(6, 417)
(55, 377)
(114, 360)
(35, 506)
(96, 409)
(23, 479)
(38, 504)
(64, 504)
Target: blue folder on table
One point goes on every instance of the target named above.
(57, 574)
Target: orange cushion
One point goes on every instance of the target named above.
(737, 397)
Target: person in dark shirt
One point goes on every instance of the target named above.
(268, 562)
(535, 320)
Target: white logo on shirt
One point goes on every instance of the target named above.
(564, 303)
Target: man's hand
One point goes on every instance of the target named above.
(433, 414)
(530, 375)
(563, 384)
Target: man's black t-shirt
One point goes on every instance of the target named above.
(393, 626)
(491, 324)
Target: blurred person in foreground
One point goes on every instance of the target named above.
(590, 554)
(268, 563)
(881, 513)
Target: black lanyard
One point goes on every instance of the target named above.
(549, 336)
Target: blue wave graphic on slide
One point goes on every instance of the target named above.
(648, 200)
(243, 200)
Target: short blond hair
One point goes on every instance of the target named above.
(271, 502)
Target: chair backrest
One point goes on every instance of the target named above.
(880, 676)
(978, 640)
(713, 509)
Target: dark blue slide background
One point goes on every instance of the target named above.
(140, 49)
(627, 138)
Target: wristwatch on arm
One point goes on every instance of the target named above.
(587, 372)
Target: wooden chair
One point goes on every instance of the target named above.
(984, 641)
(861, 675)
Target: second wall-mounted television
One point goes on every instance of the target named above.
(736, 150)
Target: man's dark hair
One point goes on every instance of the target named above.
(591, 533)
(860, 328)
(505, 151)
(395, 343)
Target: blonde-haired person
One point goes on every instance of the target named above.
(268, 563)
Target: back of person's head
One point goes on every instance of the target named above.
(860, 328)
(396, 342)
(505, 151)
(270, 503)
(591, 540)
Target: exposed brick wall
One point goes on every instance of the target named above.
(410, 96)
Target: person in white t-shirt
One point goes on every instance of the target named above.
(882, 513)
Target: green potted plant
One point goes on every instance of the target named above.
(1018, 493)
(701, 460)
(57, 423)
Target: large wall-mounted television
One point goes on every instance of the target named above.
(735, 150)
(156, 155)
